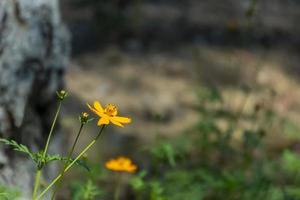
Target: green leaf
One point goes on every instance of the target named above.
(86, 191)
(164, 152)
(7, 193)
(156, 191)
(83, 164)
(291, 161)
(18, 147)
(137, 182)
(49, 158)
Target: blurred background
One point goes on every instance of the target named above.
(212, 88)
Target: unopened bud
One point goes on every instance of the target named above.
(84, 118)
(62, 94)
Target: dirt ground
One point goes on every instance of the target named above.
(159, 89)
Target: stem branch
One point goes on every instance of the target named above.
(71, 164)
(41, 162)
(67, 162)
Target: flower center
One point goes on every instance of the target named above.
(111, 110)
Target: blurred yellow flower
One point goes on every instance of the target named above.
(108, 114)
(121, 164)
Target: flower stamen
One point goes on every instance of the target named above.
(111, 110)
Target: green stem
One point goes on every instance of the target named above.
(37, 182)
(71, 164)
(51, 130)
(67, 162)
(39, 168)
(118, 187)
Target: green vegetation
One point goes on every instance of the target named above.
(7, 193)
(213, 162)
(223, 156)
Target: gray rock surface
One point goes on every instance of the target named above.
(34, 52)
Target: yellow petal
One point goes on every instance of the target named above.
(92, 109)
(124, 120)
(98, 106)
(101, 114)
(116, 123)
(103, 120)
(132, 168)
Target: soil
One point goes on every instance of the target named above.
(159, 89)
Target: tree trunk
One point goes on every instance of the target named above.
(34, 52)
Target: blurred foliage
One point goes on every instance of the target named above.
(87, 188)
(7, 193)
(209, 162)
(85, 191)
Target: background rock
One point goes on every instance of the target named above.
(34, 52)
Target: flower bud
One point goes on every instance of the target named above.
(84, 118)
(62, 94)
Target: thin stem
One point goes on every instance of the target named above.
(37, 182)
(118, 187)
(67, 162)
(39, 168)
(71, 164)
(51, 130)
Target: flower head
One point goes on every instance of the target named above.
(108, 114)
(121, 164)
(84, 118)
(62, 94)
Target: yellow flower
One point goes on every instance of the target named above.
(121, 164)
(108, 114)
